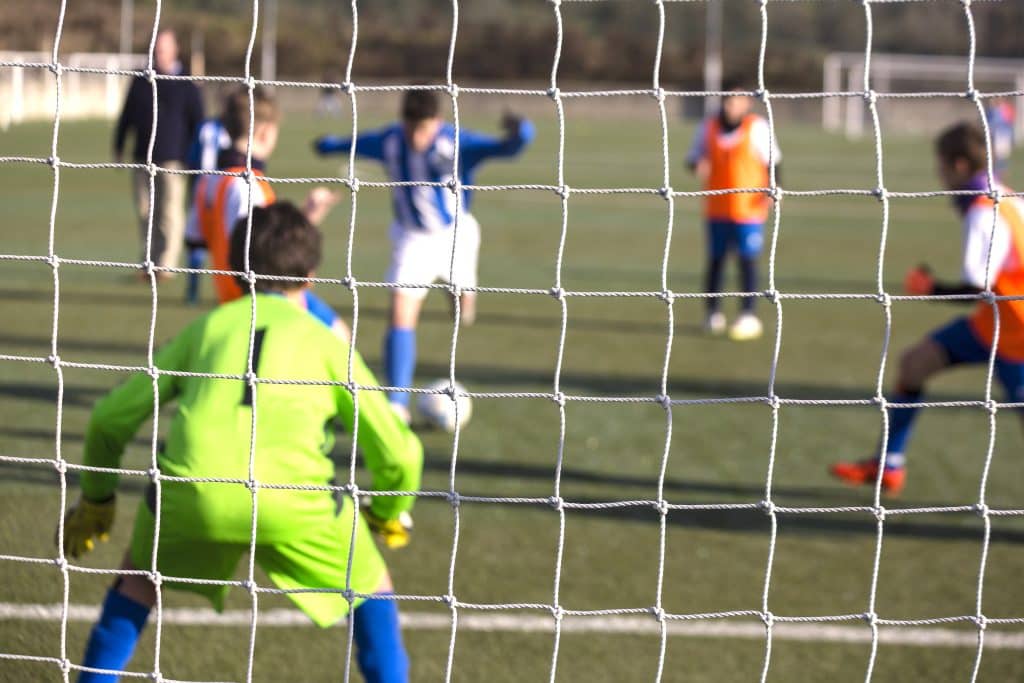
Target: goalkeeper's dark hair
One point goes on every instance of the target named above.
(420, 105)
(963, 140)
(236, 111)
(733, 84)
(283, 243)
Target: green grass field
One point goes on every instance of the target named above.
(715, 560)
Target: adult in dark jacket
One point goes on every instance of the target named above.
(178, 116)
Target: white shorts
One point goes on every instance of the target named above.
(422, 257)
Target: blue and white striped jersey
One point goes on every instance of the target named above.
(211, 139)
(429, 207)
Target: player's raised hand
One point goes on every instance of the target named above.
(319, 203)
(84, 523)
(395, 533)
(919, 281)
(511, 123)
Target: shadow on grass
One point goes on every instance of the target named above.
(749, 521)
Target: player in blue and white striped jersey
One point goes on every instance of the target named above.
(203, 154)
(421, 149)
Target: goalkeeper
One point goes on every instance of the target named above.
(302, 537)
(993, 258)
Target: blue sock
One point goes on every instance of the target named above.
(113, 638)
(379, 650)
(196, 258)
(399, 361)
(901, 420)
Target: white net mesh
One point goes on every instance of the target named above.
(554, 616)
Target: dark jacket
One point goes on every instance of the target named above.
(180, 111)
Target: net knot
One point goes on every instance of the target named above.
(563, 191)
(553, 92)
(53, 161)
(559, 399)
(991, 406)
(880, 401)
(454, 498)
(347, 87)
(153, 473)
(884, 299)
(659, 614)
(767, 617)
(55, 68)
(557, 503)
(662, 507)
(762, 94)
(879, 513)
(659, 92)
(995, 194)
(871, 618)
(250, 83)
(981, 621)
(250, 277)
(149, 74)
(870, 96)
(665, 401)
(252, 484)
(155, 577)
(151, 169)
(773, 294)
(453, 185)
(61, 466)
(249, 586)
(153, 372)
(881, 194)
(349, 282)
(353, 185)
(450, 600)
(557, 292)
(666, 192)
(767, 506)
(250, 378)
(558, 612)
(981, 509)
(148, 267)
(349, 595)
(453, 90)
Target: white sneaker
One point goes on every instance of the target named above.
(402, 412)
(715, 323)
(746, 327)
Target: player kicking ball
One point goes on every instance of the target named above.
(302, 536)
(220, 201)
(732, 150)
(961, 152)
(421, 148)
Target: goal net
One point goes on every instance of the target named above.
(445, 610)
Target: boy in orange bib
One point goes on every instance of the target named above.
(731, 150)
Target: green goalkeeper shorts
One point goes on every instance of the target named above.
(316, 560)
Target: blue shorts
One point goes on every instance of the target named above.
(963, 348)
(746, 238)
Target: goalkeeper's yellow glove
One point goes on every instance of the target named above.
(86, 521)
(395, 533)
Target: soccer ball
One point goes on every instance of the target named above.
(438, 409)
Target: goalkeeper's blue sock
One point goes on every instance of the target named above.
(113, 638)
(901, 421)
(379, 650)
(399, 361)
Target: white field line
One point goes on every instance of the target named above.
(924, 636)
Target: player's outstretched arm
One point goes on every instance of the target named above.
(920, 282)
(475, 147)
(369, 144)
(319, 203)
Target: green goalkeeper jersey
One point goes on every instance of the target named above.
(209, 435)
